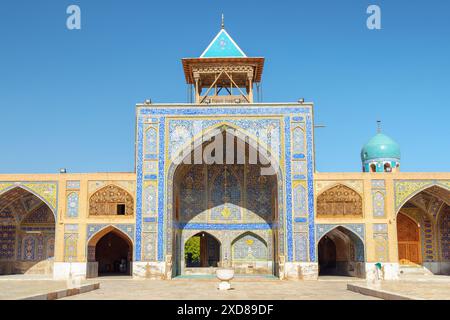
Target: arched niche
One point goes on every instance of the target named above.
(222, 194)
(111, 200)
(110, 253)
(250, 254)
(27, 229)
(341, 253)
(339, 201)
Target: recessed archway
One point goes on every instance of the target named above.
(409, 245)
(110, 253)
(202, 251)
(250, 255)
(422, 231)
(339, 201)
(222, 195)
(341, 253)
(27, 233)
(111, 200)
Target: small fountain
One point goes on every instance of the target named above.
(225, 273)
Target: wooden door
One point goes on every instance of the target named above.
(408, 234)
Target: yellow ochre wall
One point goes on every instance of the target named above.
(119, 178)
(83, 219)
(368, 219)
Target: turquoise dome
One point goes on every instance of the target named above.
(380, 147)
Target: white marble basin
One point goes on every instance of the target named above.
(225, 274)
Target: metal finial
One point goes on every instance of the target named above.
(223, 21)
(378, 126)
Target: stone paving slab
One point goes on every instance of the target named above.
(59, 294)
(378, 293)
(434, 289)
(207, 290)
(15, 288)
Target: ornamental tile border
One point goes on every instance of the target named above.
(357, 228)
(277, 110)
(406, 189)
(47, 191)
(92, 229)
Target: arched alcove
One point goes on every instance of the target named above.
(202, 250)
(423, 229)
(110, 201)
(341, 253)
(111, 252)
(221, 194)
(250, 254)
(27, 233)
(339, 201)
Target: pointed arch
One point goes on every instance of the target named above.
(176, 162)
(379, 203)
(197, 233)
(94, 238)
(341, 251)
(110, 251)
(409, 240)
(72, 204)
(339, 200)
(151, 140)
(421, 240)
(106, 200)
(12, 188)
(298, 140)
(414, 193)
(204, 252)
(243, 135)
(24, 251)
(343, 226)
(300, 206)
(249, 246)
(249, 233)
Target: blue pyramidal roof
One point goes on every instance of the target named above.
(223, 46)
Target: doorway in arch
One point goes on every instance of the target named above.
(111, 253)
(202, 251)
(218, 200)
(341, 253)
(423, 230)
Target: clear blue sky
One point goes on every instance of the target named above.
(67, 98)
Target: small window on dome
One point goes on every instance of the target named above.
(373, 167)
(387, 167)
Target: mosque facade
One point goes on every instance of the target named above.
(226, 180)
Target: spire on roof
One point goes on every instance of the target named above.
(223, 46)
(378, 126)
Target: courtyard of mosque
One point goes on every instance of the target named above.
(260, 288)
(260, 208)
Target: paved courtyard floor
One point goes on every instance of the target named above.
(427, 287)
(13, 290)
(126, 288)
(15, 287)
(206, 289)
